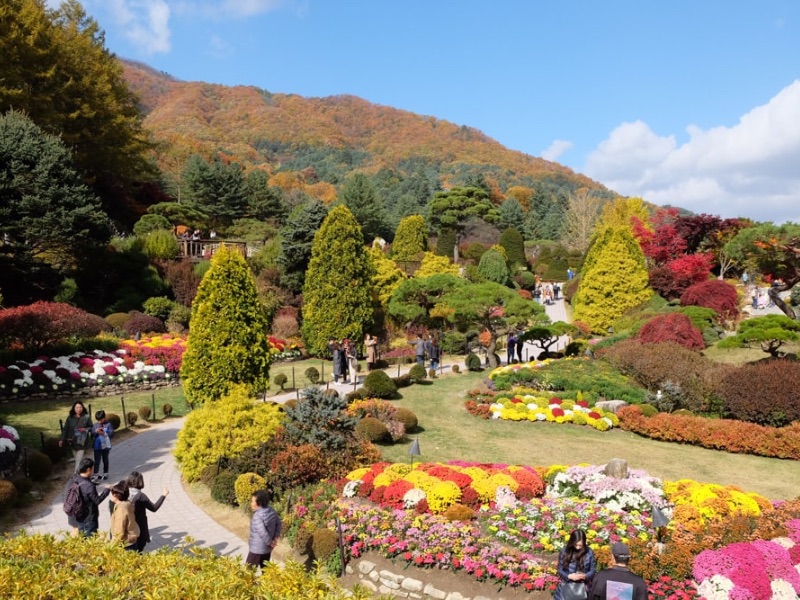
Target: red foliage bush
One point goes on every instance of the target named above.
(714, 294)
(692, 267)
(297, 466)
(766, 392)
(42, 324)
(141, 323)
(666, 283)
(525, 294)
(479, 409)
(672, 327)
(285, 326)
(181, 278)
(728, 435)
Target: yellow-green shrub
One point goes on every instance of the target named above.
(246, 485)
(324, 542)
(8, 494)
(226, 427)
(31, 567)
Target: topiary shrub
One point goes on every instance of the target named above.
(324, 542)
(145, 412)
(473, 362)
(372, 430)
(280, 380)
(331, 392)
(417, 373)
(715, 294)
(459, 512)
(40, 466)
(141, 323)
(298, 466)
(53, 451)
(115, 421)
(8, 495)
(291, 403)
(131, 419)
(403, 380)
(200, 443)
(118, 320)
(159, 307)
(312, 374)
(455, 369)
(246, 485)
(358, 394)
(23, 484)
(379, 385)
(407, 418)
(648, 410)
(432, 373)
(223, 488)
(167, 410)
(672, 327)
(683, 412)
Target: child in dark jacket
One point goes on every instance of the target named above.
(102, 430)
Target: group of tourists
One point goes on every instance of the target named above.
(80, 434)
(547, 293)
(514, 346)
(344, 355)
(579, 579)
(427, 347)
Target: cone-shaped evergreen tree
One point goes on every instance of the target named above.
(228, 333)
(337, 299)
(614, 279)
(411, 239)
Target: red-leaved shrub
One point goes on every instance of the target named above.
(141, 323)
(42, 324)
(672, 327)
(715, 294)
(767, 392)
(297, 466)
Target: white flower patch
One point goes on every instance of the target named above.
(351, 488)
(6, 444)
(413, 497)
(782, 590)
(540, 416)
(784, 541)
(609, 421)
(12, 431)
(716, 587)
(532, 406)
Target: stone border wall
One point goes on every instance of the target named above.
(96, 391)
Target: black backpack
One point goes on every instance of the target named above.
(75, 505)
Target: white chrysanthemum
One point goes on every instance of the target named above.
(532, 406)
(715, 587)
(784, 541)
(540, 416)
(496, 415)
(413, 497)
(6, 444)
(609, 421)
(782, 590)
(351, 487)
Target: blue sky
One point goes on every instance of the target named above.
(691, 103)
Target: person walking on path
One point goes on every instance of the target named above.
(371, 347)
(617, 581)
(351, 355)
(512, 347)
(103, 430)
(141, 504)
(265, 528)
(337, 357)
(433, 351)
(419, 348)
(76, 433)
(87, 525)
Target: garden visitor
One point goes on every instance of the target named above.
(337, 358)
(123, 520)
(103, 430)
(76, 432)
(617, 581)
(512, 347)
(141, 504)
(556, 290)
(520, 344)
(351, 356)
(265, 528)
(433, 351)
(577, 566)
(88, 490)
(371, 347)
(419, 347)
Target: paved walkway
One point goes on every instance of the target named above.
(150, 453)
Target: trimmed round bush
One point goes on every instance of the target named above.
(291, 403)
(672, 327)
(418, 372)
(324, 542)
(312, 374)
(54, 452)
(379, 385)
(208, 474)
(115, 421)
(403, 380)
(331, 392)
(715, 294)
(372, 430)
(764, 392)
(141, 323)
(459, 512)
(118, 320)
(167, 409)
(131, 418)
(23, 484)
(473, 362)
(8, 494)
(145, 412)
(280, 380)
(223, 488)
(648, 410)
(246, 485)
(39, 465)
(407, 418)
(455, 369)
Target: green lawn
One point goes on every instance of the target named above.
(34, 418)
(451, 433)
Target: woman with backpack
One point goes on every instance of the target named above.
(76, 433)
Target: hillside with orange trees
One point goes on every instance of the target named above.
(260, 129)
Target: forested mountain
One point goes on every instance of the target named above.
(314, 143)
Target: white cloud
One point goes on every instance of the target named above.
(556, 149)
(748, 169)
(145, 23)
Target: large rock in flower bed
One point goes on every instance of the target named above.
(617, 468)
(610, 405)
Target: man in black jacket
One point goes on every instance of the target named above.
(88, 491)
(617, 581)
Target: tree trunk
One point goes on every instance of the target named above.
(491, 349)
(774, 295)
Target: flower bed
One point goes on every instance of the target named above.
(718, 434)
(698, 504)
(527, 407)
(9, 448)
(637, 492)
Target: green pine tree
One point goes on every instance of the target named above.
(228, 335)
(411, 239)
(614, 279)
(511, 239)
(337, 299)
